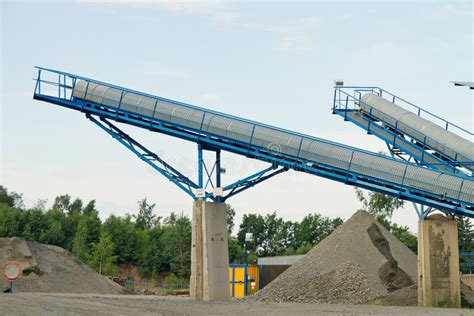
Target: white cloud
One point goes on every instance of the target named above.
(222, 12)
(449, 11)
(157, 69)
(296, 38)
(210, 96)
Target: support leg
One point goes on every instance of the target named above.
(209, 253)
(438, 262)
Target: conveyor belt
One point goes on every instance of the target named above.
(304, 153)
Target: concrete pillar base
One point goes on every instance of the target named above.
(209, 253)
(438, 262)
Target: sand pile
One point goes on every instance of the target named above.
(50, 269)
(359, 262)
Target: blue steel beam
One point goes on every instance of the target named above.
(212, 141)
(252, 180)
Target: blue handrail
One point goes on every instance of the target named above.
(419, 110)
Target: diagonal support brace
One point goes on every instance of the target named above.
(422, 211)
(147, 156)
(252, 180)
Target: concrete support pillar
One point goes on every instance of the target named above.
(209, 253)
(438, 262)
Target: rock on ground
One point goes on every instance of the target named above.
(356, 264)
(408, 296)
(51, 269)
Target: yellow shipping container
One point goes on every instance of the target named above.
(243, 279)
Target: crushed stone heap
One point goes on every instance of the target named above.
(51, 269)
(357, 263)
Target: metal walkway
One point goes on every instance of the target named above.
(282, 148)
(409, 135)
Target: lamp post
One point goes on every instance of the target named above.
(248, 238)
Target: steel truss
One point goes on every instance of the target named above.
(195, 190)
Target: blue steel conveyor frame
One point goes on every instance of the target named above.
(59, 91)
(399, 143)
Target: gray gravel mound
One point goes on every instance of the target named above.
(51, 269)
(357, 263)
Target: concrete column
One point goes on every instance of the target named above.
(438, 262)
(209, 252)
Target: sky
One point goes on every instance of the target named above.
(270, 61)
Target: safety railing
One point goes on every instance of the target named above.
(351, 96)
(57, 88)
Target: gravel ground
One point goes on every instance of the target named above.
(83, 304)
(51, 269)
(359, 262)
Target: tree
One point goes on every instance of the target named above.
(34, 222)
(272, 235)
(11, 199)
(278, 235)
(378, 204)
(94, 223)
(466, 242)
(255, 224)
(53, 233)
(153, 259)
(177, 238)
(124, 234)
(10, 218)
(145, 217)
(80, 248)
(313, 228)
(62, 203)
(102, 257)
(465, 234)
(236, 252)
(230, 214)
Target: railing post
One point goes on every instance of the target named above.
(73, 87)
(454, 162)
(404, 176)
(64, 77)
(251, 138)
(349, 166)
(218, 168)
(395, 134)
(424, 150)
(38, 82)
(200, 165)
(299, 148)
(87, 89)
(345, 112)
(370, 121)
(119, 105)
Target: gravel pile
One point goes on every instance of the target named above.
(356, 264)
(51, 269)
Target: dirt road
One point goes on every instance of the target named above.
(89, 304)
